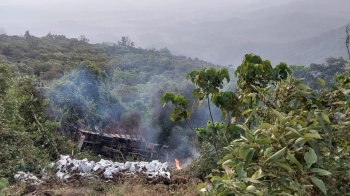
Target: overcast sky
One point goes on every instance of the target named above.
(127, 4)
(101, 2)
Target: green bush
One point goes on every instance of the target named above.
(203, 166)
(29, 141)
(3, 183)
(293, 139)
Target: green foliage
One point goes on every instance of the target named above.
(227, 102)
(181, 104)
(292, 138)
(326, 71)
(28, 139)
(292, 141)
(4, 80)
(88, 155)
(126, 41)
(219, 132)
(208, 81)
(82, 99)
(3, 183)
(203, 166)
(254, 71)
(128, 77)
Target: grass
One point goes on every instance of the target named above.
(88, 187)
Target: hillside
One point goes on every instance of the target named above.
(118, 87)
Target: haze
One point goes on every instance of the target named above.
(219, 31)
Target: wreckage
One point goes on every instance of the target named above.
(122, 146)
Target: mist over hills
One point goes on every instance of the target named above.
(294, 31)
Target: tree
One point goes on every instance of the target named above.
(126, 41)
(82, 38)
(208, 82)
(2, 31)
(27, 35)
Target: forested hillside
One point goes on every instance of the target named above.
(71, 84)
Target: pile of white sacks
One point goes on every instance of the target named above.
(66, 166)
(27, 177)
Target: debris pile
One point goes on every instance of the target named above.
(67, 166)
(27, 177)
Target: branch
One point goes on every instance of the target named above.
(212, 120)
(211, 116)
(190, 126)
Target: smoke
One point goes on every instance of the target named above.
(82, 99)
(122, 102)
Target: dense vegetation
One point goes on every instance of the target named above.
(283, 137)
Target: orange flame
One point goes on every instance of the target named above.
(177, 164)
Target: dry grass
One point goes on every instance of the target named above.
(85, 187)
(131, 189)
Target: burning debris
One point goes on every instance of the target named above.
(177, 164)
(122, 145)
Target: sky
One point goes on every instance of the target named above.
(130, 4)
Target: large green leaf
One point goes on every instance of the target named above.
(320, 171)
(279, 115)
(247, 111)
(312, 136)
(325, 127)
(284, 166)
(319, 183)
(249, 156)
(321, 81)
(277, 155)
(240, 171)
(310, 158)
(292, 158)
(265, 126)
(292, 130)
(300, 142)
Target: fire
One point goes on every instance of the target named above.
(177, 164)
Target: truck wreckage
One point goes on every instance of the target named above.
(121, 146)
